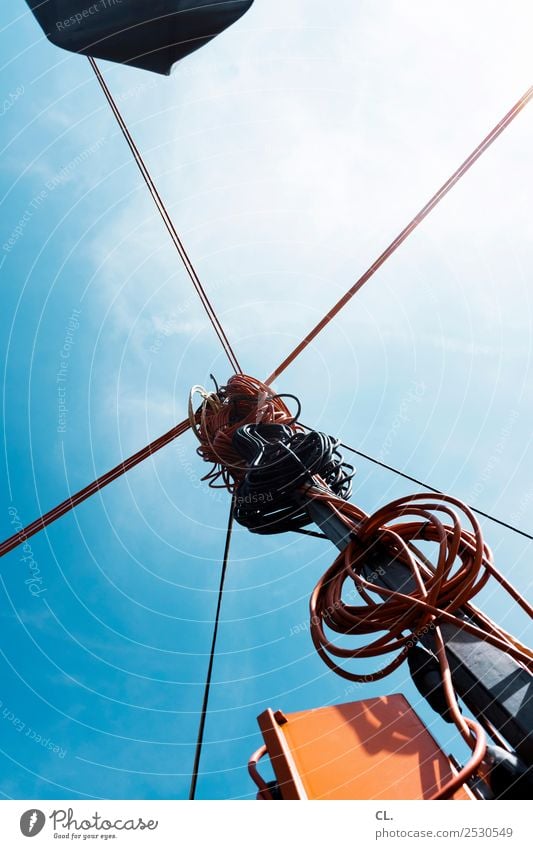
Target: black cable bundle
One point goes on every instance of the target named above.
(281, 463)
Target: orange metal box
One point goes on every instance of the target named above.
(373, 749)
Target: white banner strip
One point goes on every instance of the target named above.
(263, 825)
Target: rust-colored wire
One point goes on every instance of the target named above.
(73, 500)
(167, 220)
(413, 224)
(246, 400)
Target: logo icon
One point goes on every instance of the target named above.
(32, 822)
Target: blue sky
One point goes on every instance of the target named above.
(290, 151)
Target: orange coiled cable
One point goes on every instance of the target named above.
(396, 620)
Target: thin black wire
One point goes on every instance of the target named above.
(308, 533)
(432, 489)
(203, 714)
(169, 224)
